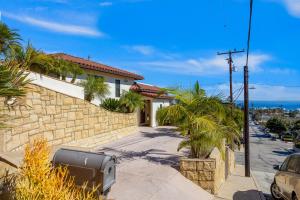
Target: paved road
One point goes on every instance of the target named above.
(264, 153)
(147, 167)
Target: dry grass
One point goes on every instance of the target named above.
(37, 180)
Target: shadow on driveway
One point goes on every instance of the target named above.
(152, 155)
(282, 153)
(260, 135)
(246, 195)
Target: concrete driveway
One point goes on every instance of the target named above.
(147, 167)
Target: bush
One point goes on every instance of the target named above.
(37, 179)
(130, 101)
(111, 104)
(94, 87)
(276, 125)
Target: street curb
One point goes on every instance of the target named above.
(261, 194)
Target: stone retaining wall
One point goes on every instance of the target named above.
(208, 173)
(58, 118)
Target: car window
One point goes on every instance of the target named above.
(298, 165)
(284, 164)
(293, 164)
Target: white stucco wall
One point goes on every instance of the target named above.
(59, 86)
(156, 103)
(125, 84)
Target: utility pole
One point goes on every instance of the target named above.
(246, 98)
(230, 61)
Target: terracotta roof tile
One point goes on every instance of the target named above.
(150, 91)
(87, 64)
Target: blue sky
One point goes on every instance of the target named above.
(172, 42)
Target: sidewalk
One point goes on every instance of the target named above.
(239, 187)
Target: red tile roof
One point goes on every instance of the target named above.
(150, 91)
(91, 65)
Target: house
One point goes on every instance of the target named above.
(118, 80)
(154, 98)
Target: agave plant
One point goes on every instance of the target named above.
(202, 119)
(94, 87)
(130, 101)
(111, 104)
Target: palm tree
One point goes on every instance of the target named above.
(94, 87)
(33, 59)
(130, 101)
(75, 70)
(60, 68)
(8, 39)
(13, 82)
(201, 118)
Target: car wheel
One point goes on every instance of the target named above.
(294, 197)
(275, 192)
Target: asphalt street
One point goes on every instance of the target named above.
(264, 154)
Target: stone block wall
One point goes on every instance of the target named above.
(58, 118)
(231, 160)
(220, 168)
(200, 171)
(208, 173)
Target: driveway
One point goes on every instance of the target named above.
(264, 153)
(147, 167)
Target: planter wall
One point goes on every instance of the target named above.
(208, 173)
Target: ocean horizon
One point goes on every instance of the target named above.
(286, 105)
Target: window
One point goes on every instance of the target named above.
(292, 164)
(284, 164)
(118, 88)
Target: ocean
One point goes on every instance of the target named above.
(286, 105)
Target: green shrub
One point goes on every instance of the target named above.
(130, 101)
(276, 125)
(111, 104)
(94, 87)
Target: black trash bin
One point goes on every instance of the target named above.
(95, 169)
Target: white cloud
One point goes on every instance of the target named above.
(142, 49)
(105, 3)
(55, 26)
(293, 7)
(205, 66)
(261, 92)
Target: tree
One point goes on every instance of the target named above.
(33, 59)
(296, 126)
(130, 101)
(13, 83)
(204, 120)
(276, 125)
(8, 39)
(94, 87)
(75, 70)
(62, 68)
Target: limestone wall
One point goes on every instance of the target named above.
(200, 171)
(231, 160)
(58, 118)
(220, 168)
(208, 173)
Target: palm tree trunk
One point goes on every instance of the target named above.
(74, 78)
